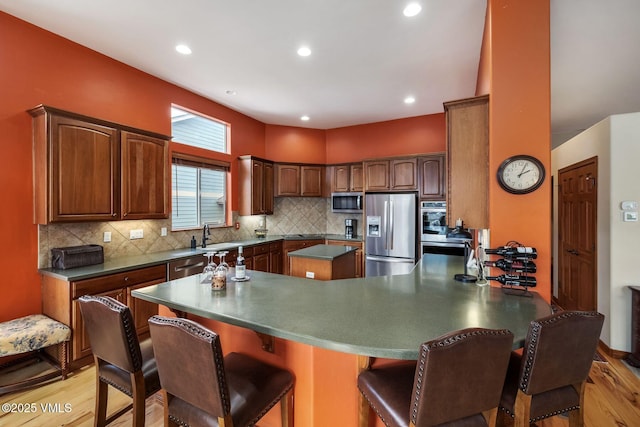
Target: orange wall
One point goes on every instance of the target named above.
(295, 144)
(414, 135)
(39, 67)
(519, 109)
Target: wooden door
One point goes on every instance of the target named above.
(404, 174)
(311, 178)
(432, 185)
(287, 180)
(356, 177)
(577, 231)
(84, 171)
(267, 188)
(340, 178)
(145, 177)
(376, 175)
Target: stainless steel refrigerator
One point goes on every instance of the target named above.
(390, 233)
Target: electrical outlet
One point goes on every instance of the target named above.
(163, 231)
(107, 237)
(136, 234)
(310, 274)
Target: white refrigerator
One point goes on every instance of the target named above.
(390, 233)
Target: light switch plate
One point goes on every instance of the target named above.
(310, 274)
(163, 231)
(630, 216)
(107, 237)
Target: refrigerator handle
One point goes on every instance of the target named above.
(386, 225)
(391, 224)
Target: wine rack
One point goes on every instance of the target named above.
(517, 265)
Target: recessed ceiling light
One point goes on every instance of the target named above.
(412, 9)
(304, 51)
(305, 118)
(409, 100)
(183, 49)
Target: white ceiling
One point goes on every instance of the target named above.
(366, 56)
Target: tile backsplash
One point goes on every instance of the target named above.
(292, 215)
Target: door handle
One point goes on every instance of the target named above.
(391, 224)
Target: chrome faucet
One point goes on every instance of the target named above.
(205, 232)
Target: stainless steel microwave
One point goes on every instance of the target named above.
(346, 202)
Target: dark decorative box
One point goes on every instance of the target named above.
(76, 256)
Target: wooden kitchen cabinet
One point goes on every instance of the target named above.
(261, 257)
(256, 178)
(294, 245)
(311, 180)
(398, 174)
(376, 175)
(145, 168)
(275, 257)
(347, 178)
(294, 180)
(359, 253)
(287, 180)
(467, 122)
(432, 177)
(60, 302)
(92, 170)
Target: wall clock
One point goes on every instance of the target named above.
(521, 174)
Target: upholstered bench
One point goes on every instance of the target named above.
(31, 334)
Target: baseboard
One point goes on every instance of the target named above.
(616, 354)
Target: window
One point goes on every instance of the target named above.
(198, 184)
(198, 131)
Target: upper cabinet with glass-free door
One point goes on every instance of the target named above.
(87, 169)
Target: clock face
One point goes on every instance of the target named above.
(521, 174)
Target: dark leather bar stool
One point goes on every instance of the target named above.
(121, 360)
(456, 378)
(549, 377)
(203, 388)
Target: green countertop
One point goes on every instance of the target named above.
(323, 252)
(378, 316)
(121, 264)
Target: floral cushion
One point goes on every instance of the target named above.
(31, 333)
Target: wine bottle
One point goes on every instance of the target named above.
(520, 252)
(514, 280)
(513, 266)
(240, 266)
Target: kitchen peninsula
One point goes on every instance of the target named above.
(324, 332)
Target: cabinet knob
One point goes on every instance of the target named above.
(126, 278)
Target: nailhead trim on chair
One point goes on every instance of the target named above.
(198, 331)
(425, 347)
(375, 409)
(129, 329)
(536, 325)
(542, 417)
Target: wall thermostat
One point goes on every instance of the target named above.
(630, 216)
(629, 205)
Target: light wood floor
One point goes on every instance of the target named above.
(612, 400)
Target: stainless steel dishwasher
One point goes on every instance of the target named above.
(185, 267)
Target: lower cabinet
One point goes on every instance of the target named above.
(359, 257)
(60, 302)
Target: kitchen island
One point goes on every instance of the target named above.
(323, 262)
(326, 331)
